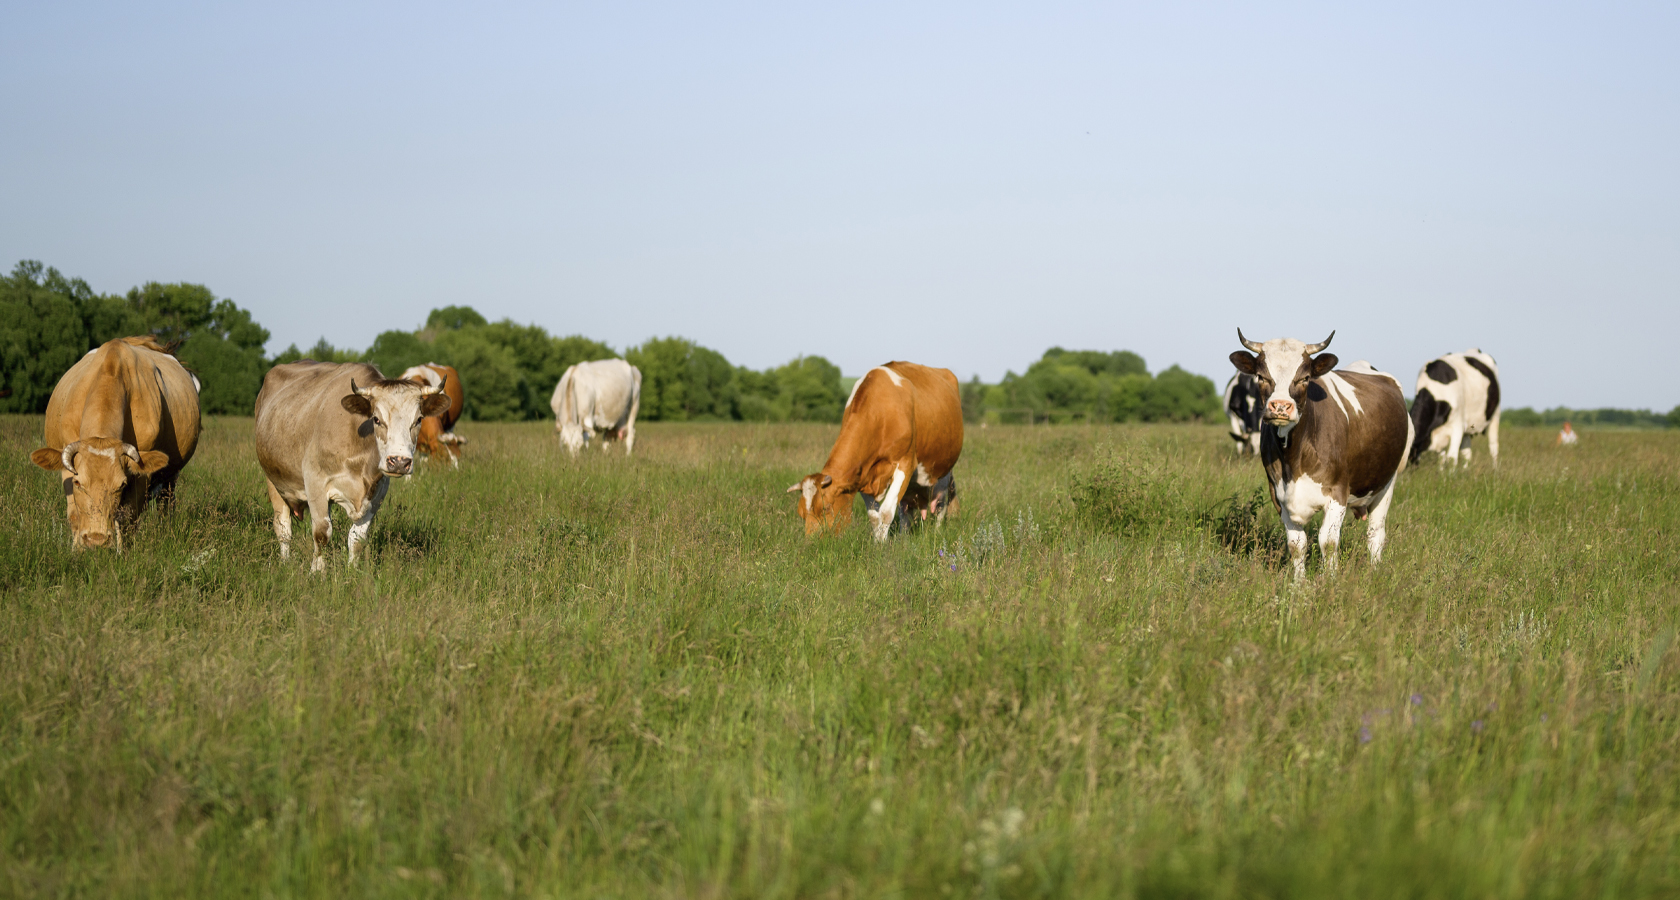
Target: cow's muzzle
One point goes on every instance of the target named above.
(1280, 412)
(398, 465)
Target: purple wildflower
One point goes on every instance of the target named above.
(941, 552)
(1476, 726)
(1417, 699)
(1364, 734)
(953, 567)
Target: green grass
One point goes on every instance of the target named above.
(612, 677)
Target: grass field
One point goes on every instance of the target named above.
(612, 677)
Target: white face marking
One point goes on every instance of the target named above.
(1283, 360)
(808, 489)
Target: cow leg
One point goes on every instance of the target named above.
(282, 520)
(1297, 536)
(1376, 531)
(628, 433)
(1330, 534)
(1493, 440)
(882, 518)
(1465, 448)
(320, 525)
(362, 519)
(1455, 437)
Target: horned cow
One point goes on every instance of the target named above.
(436, 434)
(121, 424)
(1331, 439)
(330, 433)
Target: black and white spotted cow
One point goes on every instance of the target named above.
(1243, 401)
(1457, 398)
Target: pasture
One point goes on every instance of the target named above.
(628, 678)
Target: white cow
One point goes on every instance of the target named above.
(597, 397)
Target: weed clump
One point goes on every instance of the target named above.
(1130, 491)
(1245, 527)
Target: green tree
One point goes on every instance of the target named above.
(664, 366)
(43, 332)
(809, 389)
(489, 373)
(454, 318)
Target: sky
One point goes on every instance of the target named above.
(962, 185)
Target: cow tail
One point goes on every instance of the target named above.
(635, 395)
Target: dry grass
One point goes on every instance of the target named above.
(619, 677)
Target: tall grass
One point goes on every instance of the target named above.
(634, 677)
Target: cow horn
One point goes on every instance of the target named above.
(132, 453)
(796, 487)
(443, 379)
(1252, 345)
(355, 390)
(1314, 348)
(69, 454)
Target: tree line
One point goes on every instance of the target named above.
(48, 321)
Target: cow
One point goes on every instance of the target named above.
(436, 435)
(121, 425)
(901, 433)
(599, 397)
(1242, 406)
(1330, 440)
(1457, 397)
(331, 433)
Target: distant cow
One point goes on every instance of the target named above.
(1330, 440)
(332, 432)
(900, 435)
(121, 424)
(1457, 398)
(436, 434)
(1242, 406)
(599, 397)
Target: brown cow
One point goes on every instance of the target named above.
(436, 435)
(329, 433)
(1331, 439)
(901, 433)
(121, 425)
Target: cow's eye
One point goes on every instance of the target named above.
(376, 421)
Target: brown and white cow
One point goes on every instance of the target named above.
(330, 433)
(900, 435)
(436, 434)
(121, 424)
(1330, 440)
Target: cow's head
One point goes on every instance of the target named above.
(393, 409)
(1283, 367)
(822, 503)
(100, 470)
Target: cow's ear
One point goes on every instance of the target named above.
(48, 458)
(434, 404)
(827, 480)
(1244, 361)
(357, 404)
(1323, 363)
(152, 460)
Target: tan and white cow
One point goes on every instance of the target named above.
(121, 424)
(436, 434)
(900, 436)
(330, 433)
(1330, 440)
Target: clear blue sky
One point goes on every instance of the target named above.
(959, 184)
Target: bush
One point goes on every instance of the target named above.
(1128, 491)
(1246, 527)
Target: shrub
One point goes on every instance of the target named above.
(1128, 490)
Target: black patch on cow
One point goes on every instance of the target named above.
(1428, 414)
(1493, 385)
(1441, 370)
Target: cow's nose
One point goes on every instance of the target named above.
(398, 465)
(95, 540)
(1281, 408)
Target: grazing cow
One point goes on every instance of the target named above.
(332, 432)
(599, 397)
(436, 435)
(1242, 405)
(121, 424)
(1457, 397)
(900, 435)
(1331, 440)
